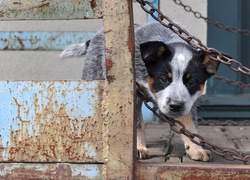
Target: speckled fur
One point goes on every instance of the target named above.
(94, 69)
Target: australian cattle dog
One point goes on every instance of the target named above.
(172, 72)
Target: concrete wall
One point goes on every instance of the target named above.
(46, 65)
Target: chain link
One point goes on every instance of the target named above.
(231, 82)
(229, 122)
(228, 28)
(213, 54)
(193, 41)
(195, 138)
(211, 21)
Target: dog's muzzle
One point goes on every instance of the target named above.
(176, 106)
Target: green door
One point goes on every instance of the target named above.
(224, 100)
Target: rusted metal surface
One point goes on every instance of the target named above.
(176, 165)
(50, 9)
(51, 121)
(190, 171)
(41, 40)
(119, 102)
(60, 171)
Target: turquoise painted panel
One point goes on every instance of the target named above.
(41, 40)
(22, 101)
(58, 114)
(50, 9)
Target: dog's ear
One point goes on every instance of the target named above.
(212, 65)
(153, 50)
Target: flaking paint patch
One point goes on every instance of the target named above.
(90, 150)
(50, 121)
(50, 171)
(41, 40)
(50, 9)
(90, 171)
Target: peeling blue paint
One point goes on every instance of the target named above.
(23, 101)
(41, 40)
(90, 171)
(52, 9)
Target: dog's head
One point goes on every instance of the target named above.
(176, 75)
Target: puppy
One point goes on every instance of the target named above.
(172, 73)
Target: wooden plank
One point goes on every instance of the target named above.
(41, 40)
(62, 171)
(50, 9)
(51, 121)
(118, 28)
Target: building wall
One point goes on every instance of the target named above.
(47, 65)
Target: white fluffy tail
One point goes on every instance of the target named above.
(74, 50)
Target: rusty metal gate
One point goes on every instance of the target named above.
(70, 129)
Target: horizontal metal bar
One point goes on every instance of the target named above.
(41, 40)
(50, 121)
(50, 171)
(50, 9)
(225, 100)
(191, 171)
(224, 106)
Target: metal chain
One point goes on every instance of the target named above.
(212, 122)
(221, 26)
(193, 41)
(231, 82)
(195, 138)
(211, 21)
(213, 54)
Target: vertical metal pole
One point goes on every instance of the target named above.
(119, 92)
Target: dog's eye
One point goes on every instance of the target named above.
(164, 79)
(191, 82)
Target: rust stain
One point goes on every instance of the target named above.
(131, 36)
(27, 7)
(42, 5)
(24, 9)
(93, 4)
(26, 171)
(110, 79)
(109, 64)
(17, 3)
(192, 171)
(63, 171)
(52, 135)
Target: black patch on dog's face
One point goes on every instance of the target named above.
(157, 57)
(196, 74)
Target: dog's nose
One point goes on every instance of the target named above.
(176, 106)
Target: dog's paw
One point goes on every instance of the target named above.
(196, 153)
(142, 153)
